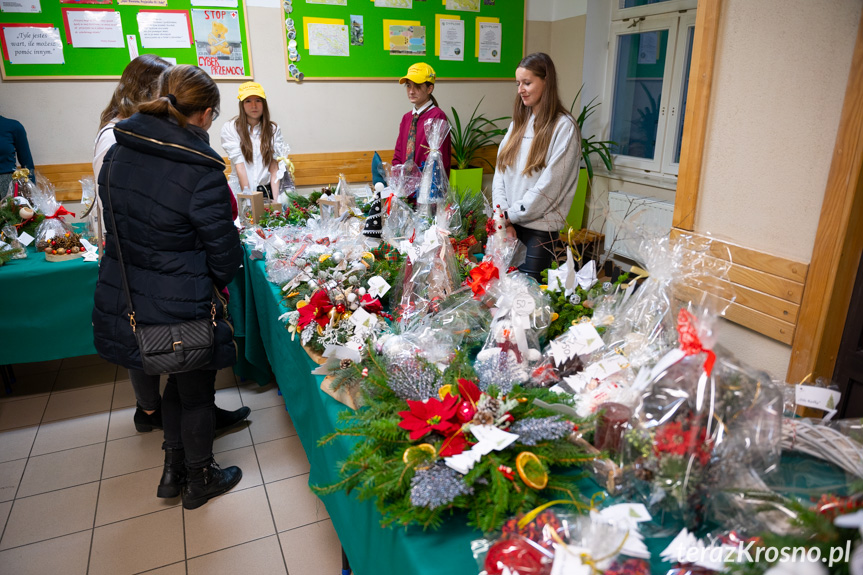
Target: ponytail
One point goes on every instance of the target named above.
(183, 91)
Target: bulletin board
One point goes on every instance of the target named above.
(53, 40)
(380, 39)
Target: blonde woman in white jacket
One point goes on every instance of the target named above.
(537, 167)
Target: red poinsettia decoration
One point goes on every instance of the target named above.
(676, 439)
(454, 444)
(317, 309)
(430, 415)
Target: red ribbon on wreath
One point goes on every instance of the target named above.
(371, 304)
(481, 276)
(61, 211)
(463, 247)
(690, 343)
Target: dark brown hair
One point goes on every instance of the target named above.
(137, 85)
(183, 91)
(547, 111)
(268, 129)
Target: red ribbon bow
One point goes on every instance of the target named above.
(463, 247)
(61, 211)
(690, 344)
(481, 276)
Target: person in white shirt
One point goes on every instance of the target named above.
(537, 167)
(253, 144)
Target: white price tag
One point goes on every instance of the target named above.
(362, 318)
(567, 561)
(817, 397)
(431, 239)
(26, 239)
(523, 304)
(412, 250)
(496, 438)
(587, 339)
(561, 351)
(378, 286)
(599, 370)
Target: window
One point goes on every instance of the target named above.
(647, 85)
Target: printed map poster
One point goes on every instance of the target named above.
(218, 42)
(28, 6)
(394, 4)
(463, 5)
(164, 29)
(32, 45)
(93, 28)
(408, 40)
(329, 40)
(489, 42)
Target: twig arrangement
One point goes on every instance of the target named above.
(824, 443)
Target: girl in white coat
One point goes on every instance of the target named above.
(253, 143)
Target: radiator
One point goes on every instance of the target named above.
(630, 217)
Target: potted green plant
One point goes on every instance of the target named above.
(467, 139)
(591, 148)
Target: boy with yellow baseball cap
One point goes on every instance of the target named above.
(411, 144)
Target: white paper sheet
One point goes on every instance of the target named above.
(490, 34)
(95, 29)
(164, 29)
(34, 45)
(451, 39)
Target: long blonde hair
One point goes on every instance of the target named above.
(183, 91)
(547, 111)
(268, 130)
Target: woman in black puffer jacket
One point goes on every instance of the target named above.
(171, 203)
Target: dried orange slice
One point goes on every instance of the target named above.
(531, 471)
(417, 454)
(444, 391)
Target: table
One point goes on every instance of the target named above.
(47, 308)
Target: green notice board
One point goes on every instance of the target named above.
(380, 39)
(69, 40)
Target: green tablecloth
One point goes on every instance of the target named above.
(46, 308)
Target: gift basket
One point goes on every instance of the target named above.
(12, 246)
(22, 185)
(54, 236)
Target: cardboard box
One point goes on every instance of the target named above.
(253, 202)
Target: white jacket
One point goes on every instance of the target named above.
(259, 170)
(540, 201)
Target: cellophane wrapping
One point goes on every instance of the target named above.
(9, 235)
(434, 184)
(705, 417)
(52, 228)
(91, 206)
(552, 542)
(512, 348)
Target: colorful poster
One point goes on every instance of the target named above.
(218, 42)
(217, 3)
(463, 5)
(489, 42)
(356, 30)
(394, 4)
(408, 40)
(452, 40)
(28, 6)
(26, 45)
(329, 40)
(164, 29)
(94, 28)
(330, 2)
(161, 3)
(85, 1)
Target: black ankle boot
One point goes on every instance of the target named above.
(202, 484)
(225, 420)
(174, 474)
(145, 422)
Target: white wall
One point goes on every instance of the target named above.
(780, 74)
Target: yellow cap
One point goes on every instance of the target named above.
(419, 73)
(251, 89)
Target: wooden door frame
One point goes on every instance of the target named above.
(838, 244)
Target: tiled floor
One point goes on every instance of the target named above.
(78, 485)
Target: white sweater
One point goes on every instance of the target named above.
(258, 171)
(540, 201)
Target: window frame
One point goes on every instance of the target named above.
(678, 85)
(622, 28)
(618, 13)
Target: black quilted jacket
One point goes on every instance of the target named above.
(173, 211)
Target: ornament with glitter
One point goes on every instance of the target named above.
(437, 486)
(414, 379)
(533, 431)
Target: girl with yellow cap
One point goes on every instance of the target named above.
(411, 143)
(253, 143)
